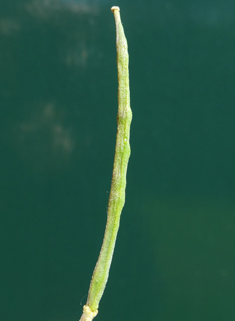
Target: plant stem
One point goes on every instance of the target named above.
(118, 185)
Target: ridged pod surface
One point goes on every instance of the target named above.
(118, 185)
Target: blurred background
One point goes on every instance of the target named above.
(174, 259)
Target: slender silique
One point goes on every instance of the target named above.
(118, 185)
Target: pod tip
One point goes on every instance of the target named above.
(115, 8)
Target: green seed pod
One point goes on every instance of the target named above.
(118, 185)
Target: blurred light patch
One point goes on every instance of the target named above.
(8, 27)
(44, 138)
(45, 8)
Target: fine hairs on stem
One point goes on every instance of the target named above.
(118, 185)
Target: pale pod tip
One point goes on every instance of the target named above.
(115, 8)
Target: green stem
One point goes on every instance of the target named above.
(118, 185)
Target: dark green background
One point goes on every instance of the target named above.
(174, 259)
